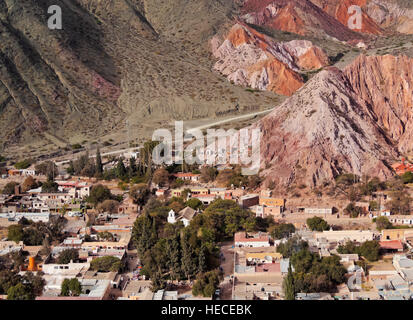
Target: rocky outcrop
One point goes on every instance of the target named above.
(339, 10)
(392, 14)
(377, 15)
(386, 84)
(297, 16)
(323, 130)
(249, 58)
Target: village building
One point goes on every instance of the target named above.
(248, 200)
(242, 239)
(343, 236)
(185, 215)
(193, 177)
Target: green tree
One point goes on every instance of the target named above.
(15, 233)
(99, 165)
(352, 210)
(121, 172)
(139, 193)
(383, 223)
(50, 186)
(407, 177)
(188, 259)
(194, 203)
(288, 285)
(20, 292)
(71, 287)
(174, 259)
(106, 264)
(33, 237)
(317, 224)
(158, 282)
(370, 250)
(68, 255)
(24, 164)
(98, 194)
(282, 230)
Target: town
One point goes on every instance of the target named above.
(118, 228)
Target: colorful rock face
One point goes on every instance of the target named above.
(249, 58)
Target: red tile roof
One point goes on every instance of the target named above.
(391, 245)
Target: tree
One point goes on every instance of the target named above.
(36, 282)
(15, 233)
(140, 193)
(202, 260)
(120, 169)
(132, 167)
(369, 250)
(110, 206)
(174, 260)
(161, 177)
(208, 174)
(288, 285)
(188, 260)
(407, 177)
(282, 230)
(20, 292)
(71, 287)
(317, 224)
(32, 237)
(8, 279)
(352, 210)
(98, 194)
(400, 202)
(383, 223)
(24, 164)
(99, 165)
(9, 188)
(50, 186)
(29, 183)
(47, 168)
(71, 168)
(194, 203)
(106, 264)
(206, 283)
(68, 255)
(158, 282)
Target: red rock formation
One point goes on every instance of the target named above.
(250, 58)
(339, 10)
(323, 130)
(386, 84)
(297, 16)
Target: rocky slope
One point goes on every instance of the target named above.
(378, 15)
(249, 58)
(386, 84)
(297, 16)
(116, 63)
(321, 131)
(339, 10)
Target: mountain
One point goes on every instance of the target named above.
(385, 83)
(297, 16)
(379, 16)
(339, 10)
(118, 67)
(249, 58)
(323, 130)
